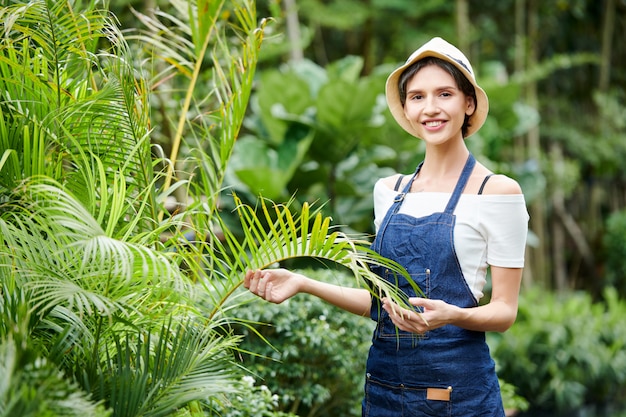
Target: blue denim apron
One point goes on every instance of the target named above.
(447, 371)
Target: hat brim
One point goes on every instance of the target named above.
(392, 93)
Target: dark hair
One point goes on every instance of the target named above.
(461, 81)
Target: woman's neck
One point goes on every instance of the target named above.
(444, 161)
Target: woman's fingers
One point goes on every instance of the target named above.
(261, 283)
(404, 319)
(247, 278)
(274, 285)
(253, 281)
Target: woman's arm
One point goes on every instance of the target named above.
(277, 285)
(498, 315)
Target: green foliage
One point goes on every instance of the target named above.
(595, 144)
(511, 399)
(614, 242)
(316, 133)
(33, 387)
(371, 25)
(565, 352)
(56, 95)
(158, 373)
(97, 315)
(103, 294)
(310, 353)
(253, 401)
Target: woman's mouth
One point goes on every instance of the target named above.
(434, 123)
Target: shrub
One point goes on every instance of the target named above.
(565, 352)
(253, 401)
(317, 363)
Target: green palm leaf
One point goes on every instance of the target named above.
(31, 386)
(70, 109)
(277, 234)
(198, 42)
(155, 374)
(78, 264)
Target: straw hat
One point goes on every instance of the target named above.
(439, 48)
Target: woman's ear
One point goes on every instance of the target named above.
(471, 105)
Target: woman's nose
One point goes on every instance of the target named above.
(430, 105)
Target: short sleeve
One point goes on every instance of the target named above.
(504, 222)
(383, 200)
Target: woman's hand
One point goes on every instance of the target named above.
(273, 285)
(435, 313)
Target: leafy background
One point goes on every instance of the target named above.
(123, 137)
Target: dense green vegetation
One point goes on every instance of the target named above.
(566, 353)
(106, 307)
(123, 136)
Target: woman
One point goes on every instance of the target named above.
(447, 223)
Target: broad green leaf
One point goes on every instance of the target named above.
(281, 94)
(348, 69)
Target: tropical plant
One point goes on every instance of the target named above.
(105, 301)
(91, 298)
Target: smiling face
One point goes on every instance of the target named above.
(435, 106)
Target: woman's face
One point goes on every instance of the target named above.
(435, 106)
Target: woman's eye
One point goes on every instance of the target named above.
(416, 97)
(445, 94)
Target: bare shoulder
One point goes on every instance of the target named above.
(501, 184)
(390, 182)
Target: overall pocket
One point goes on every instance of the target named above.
(383, 399)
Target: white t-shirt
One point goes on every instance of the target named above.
(490, 229)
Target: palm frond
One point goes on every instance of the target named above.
(210, 118)
(32, 383)
(49, 50)
(70, 111)
(80, 220)
(78, 265)
(31, 386)
(155, 374)
(277, 234)
(199, 21)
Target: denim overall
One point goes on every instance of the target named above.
(447, 371)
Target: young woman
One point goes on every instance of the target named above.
(447, 223)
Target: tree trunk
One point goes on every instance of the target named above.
(519, 154)
(566, 226)
(367, 48)
(463, 26)
(608, 26)
(293, 30)
(538, 256)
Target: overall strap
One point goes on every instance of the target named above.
(393, 210)
(400, 197)
(460, 185)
